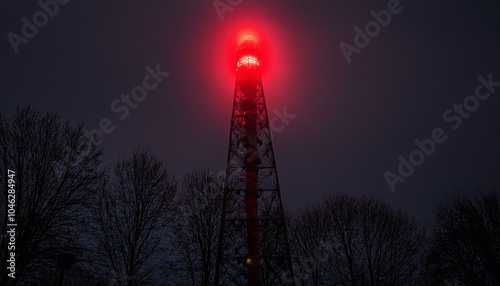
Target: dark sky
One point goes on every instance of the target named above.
(352, 120)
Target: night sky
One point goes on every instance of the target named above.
(339, 125)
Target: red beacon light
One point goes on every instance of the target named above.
(247, 61)
(247, 39)
(248, 52)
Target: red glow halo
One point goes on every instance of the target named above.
(233, 45)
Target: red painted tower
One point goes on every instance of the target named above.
(253, 243)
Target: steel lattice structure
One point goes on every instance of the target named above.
(253, 244)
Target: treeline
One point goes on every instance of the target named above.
(135, 224)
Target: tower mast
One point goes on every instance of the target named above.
(253, 245)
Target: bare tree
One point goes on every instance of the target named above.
(133, 215)
(357, 241)
(465, 248)
(54, 174)
(312, 247)
(198, 215)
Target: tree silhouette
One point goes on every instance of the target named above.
(356, 241)
(312, 247)
(133, 227)
(198, 215)
(133, 215)
(55, 176)
(466, 244)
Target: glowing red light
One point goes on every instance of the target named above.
(248, 52)
(247, 39)
(247, 61)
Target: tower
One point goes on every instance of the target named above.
(253, 244)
